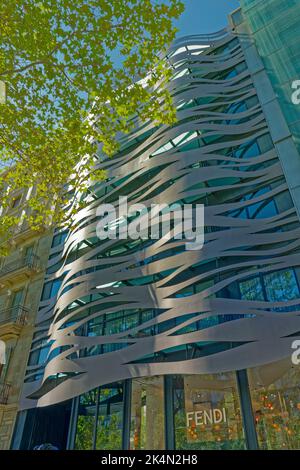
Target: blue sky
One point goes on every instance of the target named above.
(204, 16)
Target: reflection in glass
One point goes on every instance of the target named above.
(86, 420)
(275, 394)
(147, 414)
(100, 416)
(110, 417)
(252, 289)
(207, 412)
(281, 286)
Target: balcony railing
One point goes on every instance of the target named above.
(31, 262)
(17, 315)
(4, 392)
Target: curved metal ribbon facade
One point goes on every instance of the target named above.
(138, 308)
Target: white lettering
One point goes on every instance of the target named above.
(207, 417)
(296, 354)
(296, 94)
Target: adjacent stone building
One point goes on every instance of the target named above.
(21, 282)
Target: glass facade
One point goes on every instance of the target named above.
(275, 25)
(200, 412)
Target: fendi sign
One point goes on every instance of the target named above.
(212, 416)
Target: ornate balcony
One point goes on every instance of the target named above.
(19, 269)
(4, 392)
(12, 321)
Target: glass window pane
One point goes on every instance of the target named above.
(17, 298)
(275, 397)
(251, 289)
(147, 414)
(207, 412)
(281, 286)
(110, 417)
(86, 421)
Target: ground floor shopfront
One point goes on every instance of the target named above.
(258, 408)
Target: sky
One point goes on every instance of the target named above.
(204, 16)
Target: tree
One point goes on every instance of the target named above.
(65, 65)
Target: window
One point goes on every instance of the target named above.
(16, 201)
(17, 298)
(40, 355)
(252, 289)
(259, 210)
(59, 238)
(110, 417)
(147, 430)
(51, 288)
(86, 421)
(281, 286)
(207, 412)
(247, 150)
(275, 398)
(100, 418)
(8, 356)
(29, 253)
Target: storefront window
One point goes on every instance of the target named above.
(100, 418)
(147, 414)
(207, 412)
(275, 393)
(86, 420)
(110, 418)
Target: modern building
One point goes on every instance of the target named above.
(21, 281)
(144, 344)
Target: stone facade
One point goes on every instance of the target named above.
(21, 282)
